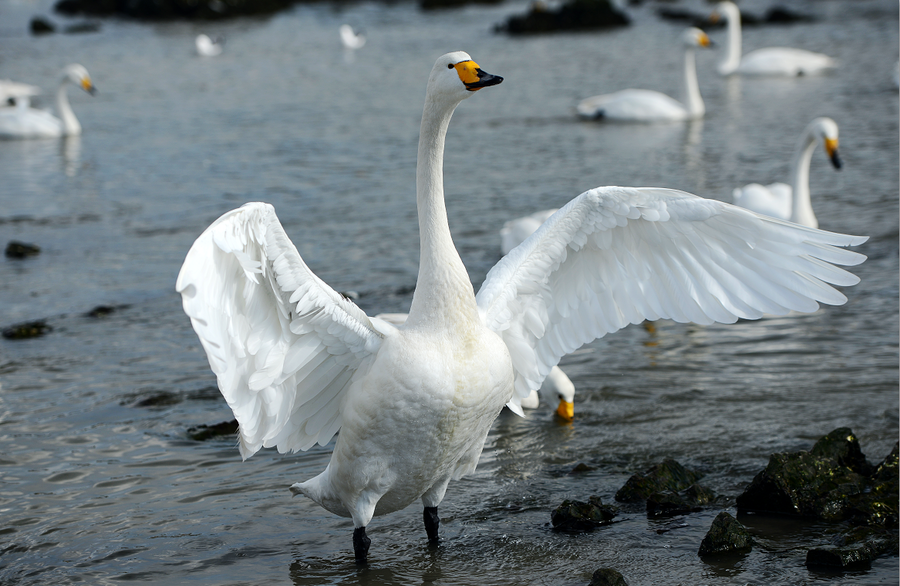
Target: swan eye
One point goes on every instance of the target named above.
(449, 66)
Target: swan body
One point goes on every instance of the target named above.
(208, 47)
(792, 202)
(636, 105)
(26, 122)
(17, 92)
(296, 361)
(779, 61)
(351, 39)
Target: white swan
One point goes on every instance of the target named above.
(791, 202)
(769, 61)
(26, 122)
(351, 39)
(557, 388)
(634, 105)
(15, 91)
(514, 232)
(296, 361)
(208, 47)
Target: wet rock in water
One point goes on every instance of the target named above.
(172, 9)
(668, 503)
(582, 468)
(16, 249)
(854, 549)
(82, 28)
(204, 432)
(819, 484)
(726, 535)
(573, 15)
(104, 310)
(435, 4)
(24, 331)
(668, 475)
(784, 15)
(607, 577)
(155, 399)
(577, 516)
(41, 26)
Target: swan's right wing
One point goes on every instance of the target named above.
(283, 344)
(618, 255)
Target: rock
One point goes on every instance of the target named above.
(784, 15)
(842, 445)
(16, 249)
(576, 516)
(854, 549)
(668, 503)
(726, 535)
(436, 4)
(669, 475)
(82, 27)
(23, 331)
(204, 432)
(573, 15)
(607, 577)
(172, 9)
(41, 26)
(155, 399)
(104, 310)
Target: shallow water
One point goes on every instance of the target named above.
(98, 481)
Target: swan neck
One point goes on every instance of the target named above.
(801, 205)
(444, 292)
(732, 59)
(70, 124)
(692, 99)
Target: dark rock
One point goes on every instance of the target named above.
(854, 549)
(577, 516)
(82, 27)
(172, 9)
(23, 331)
(841, 445)
(16, 249)
(668, 503)
(156, 399)
(581, 468)
(41, 26)
(726, 535)
(573, 15)
(784, 15)
(204, 432)
(104, 310)
(669, 475)
(436, 4)
(607, 577)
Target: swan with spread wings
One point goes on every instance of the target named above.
(297, 362)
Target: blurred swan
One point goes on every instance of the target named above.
(514, 232)
(351, 39)
(557, 388)
(27, 122)
(297, 362)
(792, 202)
(770, 61)
(16, 93)
(634, 105)
(208, 47)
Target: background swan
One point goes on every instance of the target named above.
(792, 202)
(14, 90)
(296, 361)
(769, 61)
(27, 122)
(208, 47)
(351, 39)
(634, 105)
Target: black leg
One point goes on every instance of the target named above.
(360, 545)
(432, 522)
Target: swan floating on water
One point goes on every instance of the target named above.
(792, 202)
(27, 122)
(769, 61)
(633, 105)
(351, 39)
(16, 93)
(209, 47)
(297, 362)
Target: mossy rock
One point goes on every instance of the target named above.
(668, 475)
(726, 535)
(205, 432)
(24, 331)
(669, 503)
(577, 516)
(574, 15)
(607, 577)
(16, 249)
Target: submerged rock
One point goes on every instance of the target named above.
(668, 503)
(573, 15)
(41, 26)
(854, 549)
(204, 432)
(668, 475)
(607, 577)
(24, 331)
(104, 310)
(16, 249)
(577, 516)
(726, 535)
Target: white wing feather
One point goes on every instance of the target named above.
(283, 344)
(617, 255)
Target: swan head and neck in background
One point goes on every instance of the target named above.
(693, 102)
(821, 130)
(444, 289)
(75, 74)
(732, 15)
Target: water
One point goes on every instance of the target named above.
(98, 481)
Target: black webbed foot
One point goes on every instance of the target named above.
(432, 523)
(361, 545)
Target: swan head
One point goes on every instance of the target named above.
(456, 76)
(79, 76)
(558, 389)
(826, 131)
(694, 37)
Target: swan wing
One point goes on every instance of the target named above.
(619, 255)
(283, 344)
(633, 105)
(784, 61)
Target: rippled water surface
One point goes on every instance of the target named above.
(99, 483)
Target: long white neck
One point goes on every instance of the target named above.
(444, 292)
(732, 58)
(801, 206)
(692, 100)
(70, 124)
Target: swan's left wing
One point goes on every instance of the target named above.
(617, 255)
(284, 345)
